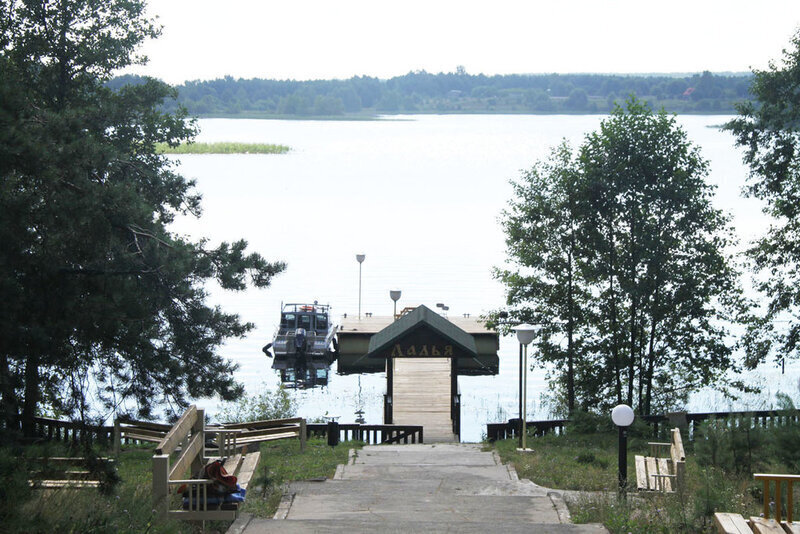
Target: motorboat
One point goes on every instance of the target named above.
(304, 346)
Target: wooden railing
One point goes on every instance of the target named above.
(778, 480)
(370, 434)
(75, 431)
(254, 432)
(512, 428)
(129, 431)
(660, 424)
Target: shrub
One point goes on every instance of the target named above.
(268, 404)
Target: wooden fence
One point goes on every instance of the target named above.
(370, 434)
(660, 424)
(51, 429)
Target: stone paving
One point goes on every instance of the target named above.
(419, 488)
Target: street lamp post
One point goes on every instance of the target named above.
(394, 294)
(525, 334)
(622, 415)
(360, 259)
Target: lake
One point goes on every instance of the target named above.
(420, 196)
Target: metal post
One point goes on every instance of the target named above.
(359, 291)
(623, 462)
(333, 433)
(525, 398)
(519, 426)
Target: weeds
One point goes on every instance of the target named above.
(221, 148)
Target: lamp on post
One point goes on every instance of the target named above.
(622, 415)
(360, 260)
(525, 334)
(394, 294)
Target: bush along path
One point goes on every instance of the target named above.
(419, 488)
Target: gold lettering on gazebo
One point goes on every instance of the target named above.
(399, 351)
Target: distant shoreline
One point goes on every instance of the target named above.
(406, 115)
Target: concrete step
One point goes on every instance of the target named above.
(433, 507)
(476, 473)
(453, 485)
(376, 524)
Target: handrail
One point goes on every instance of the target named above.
(178, 432)
(778, 479)
(267, 423)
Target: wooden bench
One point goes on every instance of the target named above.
(255, 432)
(129, 430)
(69, 472)
(186, 441)
(665, 469)
(736, 524)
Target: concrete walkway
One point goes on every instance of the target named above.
(419, 488)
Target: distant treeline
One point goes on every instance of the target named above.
(458, 92)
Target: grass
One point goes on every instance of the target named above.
(585, 462)
(282, 462)
(222, 148)
(128, 508)
(718, 476)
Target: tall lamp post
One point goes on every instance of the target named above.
(622, 415)
(525, 334)
(360, 259)
(394, 294)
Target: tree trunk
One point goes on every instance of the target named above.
(31, 395)
(651, 353)
(8, 400)
(570, 345)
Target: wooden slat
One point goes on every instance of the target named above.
(158, 427)
(765, 526)
(206, 515)
(232, 463)
(252, 425)
(128, 432)
(641, 474)
(652, 469)
(268, 431)
(64, 484)
(249, 466)
(791, 528)
(187, 456)
(259, 439)
(142, 437)
(731, 524)
(178, 432)
(677, 452)
(663, 469)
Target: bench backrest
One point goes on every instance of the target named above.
(678, 457)
(189, 434)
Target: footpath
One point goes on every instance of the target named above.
(419, 488)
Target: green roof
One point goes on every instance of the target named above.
(421, 318)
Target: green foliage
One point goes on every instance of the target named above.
(15, 489)
(588, 462)
(100, 295)
(767, 129)
(266, 405)
(126, 509)
(745, 446)
(457, 93)
(619, 254)
(221, 148)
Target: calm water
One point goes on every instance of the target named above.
(421, 197)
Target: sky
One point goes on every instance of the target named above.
(303, 39)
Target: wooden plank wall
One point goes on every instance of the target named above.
(421, 396)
